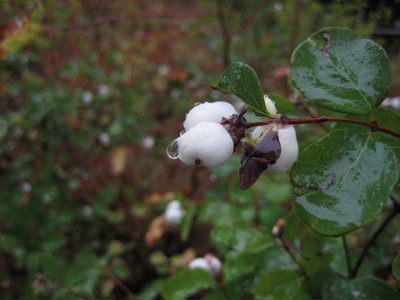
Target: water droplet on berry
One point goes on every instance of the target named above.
(172, 149)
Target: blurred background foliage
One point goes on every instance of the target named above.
(91, 94)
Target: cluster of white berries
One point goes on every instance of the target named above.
(174, 213)
(205, 140)
(209, 263)
(212, 130)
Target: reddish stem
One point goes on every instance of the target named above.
(111, 20)
(287, 121)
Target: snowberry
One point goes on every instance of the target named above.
(174, 213)
(214, 264)
(199, 263)
(208, 144)
(208, 112)
(209, 263)
(289, 148)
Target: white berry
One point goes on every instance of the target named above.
(208, 144)
(209, 263)
(174, 213)
(199, 263)
(289, 150)
(289, 147)
(208, 112)
(214, 264)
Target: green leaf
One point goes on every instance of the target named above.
(360, 288)
(383, 117)
(242, 239)
(241, 80)
(226, 213)
(105, 198)
(239, 264)
(83, 275)
(48, 265)
(396, 267)
(185, 283)
(187, 222)
(282, 284)
(342, 181)
(151, 291)
(337, 70)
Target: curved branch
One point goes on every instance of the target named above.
(111, 20)
(377, 233)
(287, 121)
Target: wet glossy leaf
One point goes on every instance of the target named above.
(151, 291)
(187, 222)
(384, 117)
(342, 181)
(337, 70)
(185, 283)
(241, 80)
(83, 275)
(243, 239)
(106, 197)
(239, 264)
(282, 284)
(226, 213)
(360, 288)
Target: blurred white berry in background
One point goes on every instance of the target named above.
(148, 142)
(87, 97)
(208, 112)
(26, 187)
(209, 263)
(199, 263)
(174, 213)
(214, 263)
(104, 139)
(163, 70)
(103, 89)
(207, 144)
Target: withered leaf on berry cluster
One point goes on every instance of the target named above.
(255, 160)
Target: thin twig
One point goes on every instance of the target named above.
(287, 121)
(377, 233)
(294, 258)
(347, 254)
(111, 20)
(304, 106)
(226, 36)
(295, 27)
(117, 281)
